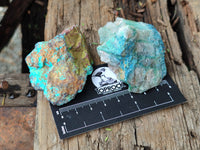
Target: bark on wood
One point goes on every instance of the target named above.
(172, 128)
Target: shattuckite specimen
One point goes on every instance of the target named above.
(60, 66)
(134, 51)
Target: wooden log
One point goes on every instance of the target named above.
(4, 2)
(11, 19)
(186, 31)
(172, 128)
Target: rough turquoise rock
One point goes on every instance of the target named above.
(134, 51)
(60, 66)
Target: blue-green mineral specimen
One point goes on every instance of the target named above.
(134, 51)
(60, 66)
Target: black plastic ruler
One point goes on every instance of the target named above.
(105, 100)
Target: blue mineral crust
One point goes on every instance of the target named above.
(134, 51)
(60, 66)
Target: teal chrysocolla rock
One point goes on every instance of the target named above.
(60, 66)
(134, 51)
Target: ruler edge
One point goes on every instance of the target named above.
(136, 116)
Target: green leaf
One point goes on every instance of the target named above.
(168, 49)
(108, 129)
(140, 3)
(118, 8)
(82, 24)
(106, 139)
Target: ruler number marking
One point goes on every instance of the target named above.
(170, 96)
(157, 89)
(131, 95)
(65, 128)
(90, 107)
(104, 104)
(102, 116)
(76, 111)
(137, 105)
(85, 124)
(118, 100)
(57, 112)
(155, 103)
(121, 113)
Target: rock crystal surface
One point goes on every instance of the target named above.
(134, 51)
(60, 66)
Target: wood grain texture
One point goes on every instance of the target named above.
(188, 36)
(174, 128)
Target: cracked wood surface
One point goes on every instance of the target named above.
(173, 128)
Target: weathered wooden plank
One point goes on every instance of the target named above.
(170, 128)
(188, 36)
(19, 85)
(173, 128)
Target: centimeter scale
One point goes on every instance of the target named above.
(105, 100)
